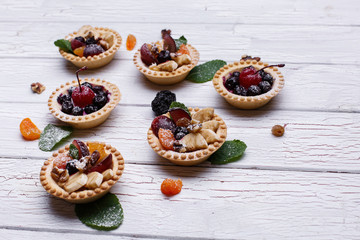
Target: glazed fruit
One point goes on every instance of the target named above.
(61, 160)
(162, 101)
(75, 43)
(171, 187)
(162, 122)
(146, 55)
(249, 76)
(103, 165)
(29, 130)
(92, 50)
(278, 130)
(130, 42)
(166, 138)
(98, 147)
(180, 116)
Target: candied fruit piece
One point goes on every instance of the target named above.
(166, 138)
(79, 51)
(278, 130)
(99, 147)
(29, 130)
(171, 187)
(183, 50)
(130, 42)
(61, 160)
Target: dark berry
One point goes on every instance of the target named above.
(180, 132)
(253, 90)
(80, 39)
(240, 90)
(164, 56)
(100, 101)
(236, 74)
(93, 49)
(63, 98)
(264, 86)
(90, 109)
(67, 107)
(77, 111)
(91, 40)
(87, 84)
(231, 83)
(162, 101)
(70, 90)
(266, 77)
(97, 89)
(162, 122)
(71, 166)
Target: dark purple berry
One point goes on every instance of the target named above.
(63, 98)
(266, 77)
(236, 74)
(67, 107)
(162, 101)
(77, 111)
(240, 90)
(97, 89)
(180, 132)
(70, 90)
(100, 101)
(80, 39)
(71, 166)
(264, 86)
(87, 84)
(91, 40)
(90, 109)
(253, 90)
(231, 83)
(164, 56)
(93, 49)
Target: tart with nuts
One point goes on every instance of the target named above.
(167, 61)
(82, 172)
(250, 83)
(84, 105)
(92, 47)
(187, 136)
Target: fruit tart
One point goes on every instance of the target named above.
(92, 47)
(187, 136)
(167, 61)
(82, 172)
(84, 105)
(250, 83)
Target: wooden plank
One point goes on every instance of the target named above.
(188, 12)
(214, 203)
(280, 44)
(314, 141)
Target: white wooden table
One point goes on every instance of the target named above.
(304, 185)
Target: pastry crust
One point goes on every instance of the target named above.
(97, 60)
(194, 157)
(84, 196)
(90, 120)
(167, 78)
(244, 102)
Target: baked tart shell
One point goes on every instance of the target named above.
(84, 196)
(245, 102)
(90, 120)
(194, 157)
(167, 78)
(97, 60)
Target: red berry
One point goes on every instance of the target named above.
(103, 165)
(162, 122)
(249, 76)
(76, 44)
(146, 55)
(84, 97)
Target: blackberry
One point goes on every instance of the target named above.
(70, 90)
(100, 100)
(91, 41)
(67, 107)
(264, 86)
(236, 74)
(162, 101)
(180, 132)
(77, 111)
(240, 90)
(164, 56)
(71, 166)
(90, 109)
(231, 83)
(87, 84)
(63, 98)
(253, 90)
(80, 39)
(98, 89)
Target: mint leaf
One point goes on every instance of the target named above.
(64, 44)
(230, 151)
(179, 105)
(52, 135)
(205, 72)
(103, 214)
(178, 42)
(73, 151)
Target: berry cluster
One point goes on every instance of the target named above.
(86, 46)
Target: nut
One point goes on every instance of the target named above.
(37, 87)
(75, 182)
(104, 44)
(94, 180)
(154, 67)
(108, 174)
(182, 59)
(168, 66)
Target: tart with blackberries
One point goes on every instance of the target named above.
(249, 83)
(187, 136)
(82, 172)
(92, 47)
(168, 61)
(84, 103)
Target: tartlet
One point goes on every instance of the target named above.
(112, 37)
(247, 102)
(81, 196)
(90, 120)
(191, 157)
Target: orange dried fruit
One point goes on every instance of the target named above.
(61, 160)
(183, 50)
(97, 146)
(79, 51)
(171, 187)
(29, 130)
(130, 42)
(166, 138)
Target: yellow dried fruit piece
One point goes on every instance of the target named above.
(98, 146)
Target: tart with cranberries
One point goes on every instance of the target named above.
(187, 136)
(167, 61)
(82, 172)
(249, 83)
(84, 103)
(92, 47)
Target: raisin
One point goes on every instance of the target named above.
(171, 187)
(130, 42)
(278, 130)
(29, 130)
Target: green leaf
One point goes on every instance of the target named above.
(230, 151)
(64, 44)
(179, 105)
(74, 152)
(206, 71)
(52, 135)
(103, 214)
(178, 42)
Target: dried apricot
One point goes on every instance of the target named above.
(61, 160)
(97, 146)
(130, 42)
(79, 51)
(166, 138)
(29, 130)
(171, 187)
(183, 50)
